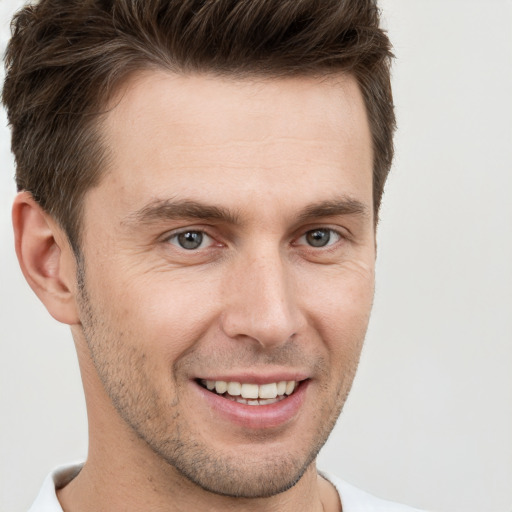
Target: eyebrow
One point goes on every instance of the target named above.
(335, 207)
(169, 209)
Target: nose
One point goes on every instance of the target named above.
(261, 300)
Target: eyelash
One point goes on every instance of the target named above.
(173, 238)
(330, 232)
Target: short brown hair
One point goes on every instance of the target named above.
(66, 58)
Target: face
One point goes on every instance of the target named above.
(228, 272)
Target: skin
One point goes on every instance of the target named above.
(264, 163)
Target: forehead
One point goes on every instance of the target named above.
(197, 95)
(200, 133)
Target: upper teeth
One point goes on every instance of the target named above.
(270, 390)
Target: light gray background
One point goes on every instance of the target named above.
(429, 421)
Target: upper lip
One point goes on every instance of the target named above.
(257, 378)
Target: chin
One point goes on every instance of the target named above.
(243, 478)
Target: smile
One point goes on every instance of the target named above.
(251, 394)
(278, 403)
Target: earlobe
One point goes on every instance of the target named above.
(46, 258)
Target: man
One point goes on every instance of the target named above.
(199, 189)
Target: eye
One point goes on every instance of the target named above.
(322, 237)
(190, 240)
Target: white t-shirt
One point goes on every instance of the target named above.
(352, 498)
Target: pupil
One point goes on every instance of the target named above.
(318, 237)
(190, 239)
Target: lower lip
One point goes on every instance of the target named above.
(256, 416)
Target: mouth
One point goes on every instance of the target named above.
(250, 393)
(254, 405)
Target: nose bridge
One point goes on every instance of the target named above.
(261, 303)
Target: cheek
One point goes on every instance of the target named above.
(162, 313)
(341, 307)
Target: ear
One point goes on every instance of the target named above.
(46, 258)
